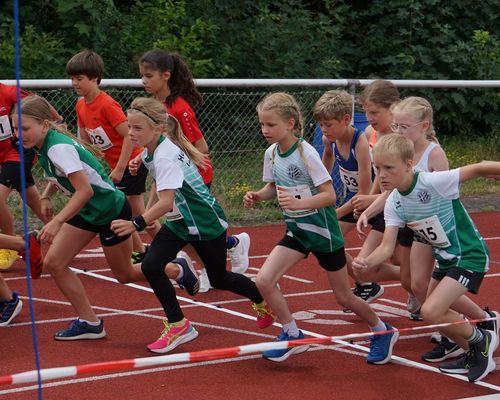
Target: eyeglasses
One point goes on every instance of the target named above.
(403, 127)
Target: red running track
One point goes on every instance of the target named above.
(133, 319)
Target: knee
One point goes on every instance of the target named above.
(148, 268)
(124, 278)
(429, 313)
(264, 283)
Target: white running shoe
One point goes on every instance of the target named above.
(412, 304)
(205, 285)
(239, 254)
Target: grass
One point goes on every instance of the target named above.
(238, 172)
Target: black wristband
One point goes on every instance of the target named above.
(139, 223)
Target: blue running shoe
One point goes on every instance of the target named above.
(10, 309)
(381, 346)
(279, 355)
(189, 280)
(81, 330)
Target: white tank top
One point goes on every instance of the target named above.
(423, 163)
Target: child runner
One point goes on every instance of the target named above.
(295, 174)
(102, 122)
(166, 76)
(429, 204)
(71, 167)
(413, 118)
(10, 170)
(10, 304)
(193, 216)
(376, 100)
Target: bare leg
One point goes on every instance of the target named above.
(66, 245)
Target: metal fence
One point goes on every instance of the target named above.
(229, 123)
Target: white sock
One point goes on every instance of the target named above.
(380, 326)
(89, 322)
(291, 329)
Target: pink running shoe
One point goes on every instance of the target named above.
(173, 336)
(265, 316)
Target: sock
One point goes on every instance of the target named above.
(380, 326)
(89, 322)
(181, 274)
(231, 242)
(476, 336)
(179, 323)
(291, 329)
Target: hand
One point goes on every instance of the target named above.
(286, 201)
(361, 202)
(362, 224)
(116, 175)
(134, 165)
(49, 231)
(46, 209)
(359, 265)
(249, 199)
(122, 227)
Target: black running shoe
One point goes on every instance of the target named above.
(443, 351)
(480, 356)
(458, 366)
(189, 280)
(368, 292)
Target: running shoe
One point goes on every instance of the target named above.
(265, 316)
(205, 285)
(36, 258)
(7, 258)
(412, 304)
(480, 356)
(381, 346)
(279, 355)
(416, 316)
(458, 366)
(137, 256)
(173, 336)
(239, 254)
(443, 351)
(367, 291)
(10, 309)
(493, 325)
(78, 330)
(189, 281)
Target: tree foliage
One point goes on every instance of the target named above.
(400, 39)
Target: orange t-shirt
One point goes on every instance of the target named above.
(183, 112)
(99, 118)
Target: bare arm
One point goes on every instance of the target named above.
(486, 169)
(325, 197)
(382, 252)
(117, 174)
(327, 157)
(268, 192)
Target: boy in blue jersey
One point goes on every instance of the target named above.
(348, 147)
(429, 204)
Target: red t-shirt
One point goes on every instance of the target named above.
(8, 99)
(99, 118)
(181, 110)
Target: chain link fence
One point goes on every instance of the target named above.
(229, 123)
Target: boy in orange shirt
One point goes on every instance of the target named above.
(102, 122)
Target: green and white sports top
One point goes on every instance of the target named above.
(432, 209)
(60, 156)
(196, 214)
(316, 229)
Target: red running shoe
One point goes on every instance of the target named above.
(36, 258)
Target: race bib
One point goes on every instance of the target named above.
(350, 179)
(431, 230)
(174, 215)
(99, 138)
(5, 129)
(299, 192)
